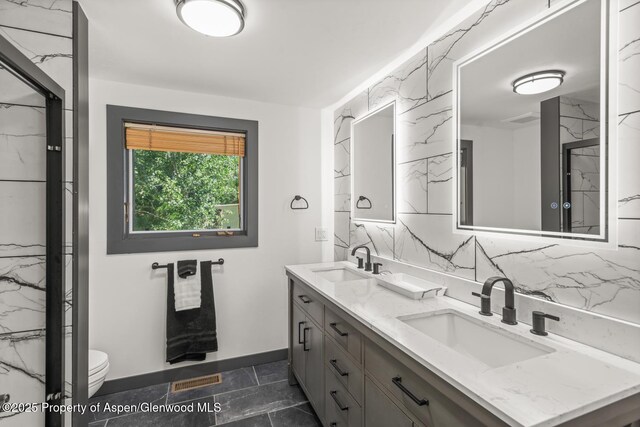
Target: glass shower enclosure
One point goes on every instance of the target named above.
(31, 243)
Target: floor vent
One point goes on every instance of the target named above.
(193, 383)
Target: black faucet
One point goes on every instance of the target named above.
(367, 265)
(509, 310)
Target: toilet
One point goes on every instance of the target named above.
(98, 370)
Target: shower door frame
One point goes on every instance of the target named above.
(566, 177)
(19, 65)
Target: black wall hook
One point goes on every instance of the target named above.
(297, 198)
(362, 199)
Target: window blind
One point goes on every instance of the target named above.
(183, 140)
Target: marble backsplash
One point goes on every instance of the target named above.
(602, 281)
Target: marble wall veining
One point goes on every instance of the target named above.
(603, 281)
(42, 30)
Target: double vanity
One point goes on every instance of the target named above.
(367, 353)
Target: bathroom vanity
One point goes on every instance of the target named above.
(503, 166)
(367, 356)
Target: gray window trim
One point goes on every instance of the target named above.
(119, 240)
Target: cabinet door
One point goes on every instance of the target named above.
(379, 410)
(299, 323)
(314, 366)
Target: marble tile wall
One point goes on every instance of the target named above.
(601, 281)
(579, 121)
(42, 30)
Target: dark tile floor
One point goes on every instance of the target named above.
(259, 396)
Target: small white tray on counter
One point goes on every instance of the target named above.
(410, 286)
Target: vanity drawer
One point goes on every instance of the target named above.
(344, 368)
(380, 411)
(345, 335)
(418, 397)
(309, 301)
(341, 408)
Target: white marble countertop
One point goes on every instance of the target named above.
(546, 390)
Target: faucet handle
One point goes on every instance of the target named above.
(485, 303)
(539, 323)
(376, 267)
(509, 316)
(360, 262)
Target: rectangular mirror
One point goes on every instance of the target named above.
(531, 113)
(372, 166)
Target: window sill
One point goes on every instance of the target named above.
(166, 242)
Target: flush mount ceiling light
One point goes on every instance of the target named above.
(538, 82)
(216, 18)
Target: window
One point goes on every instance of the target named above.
(180, 181)
(183, 179)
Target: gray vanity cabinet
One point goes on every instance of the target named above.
(344, 334)
(346, 370)
(416, 396)
(380, 411)
(314, 372)
(353, 378)
(298, 355)
(307, 348)
(309, 301)
(341, 407)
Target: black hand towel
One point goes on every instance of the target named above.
(191, 333)
(187, 268)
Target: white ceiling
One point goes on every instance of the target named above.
(569, 42)
(299, 52)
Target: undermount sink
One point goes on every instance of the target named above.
(339, 275)
(475, 339)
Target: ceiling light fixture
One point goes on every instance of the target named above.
(538, 82)
(216, 18)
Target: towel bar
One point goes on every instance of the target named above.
(156, 266)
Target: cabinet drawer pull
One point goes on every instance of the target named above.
(304, 339)
(398, 382)
(305, 299)
(338, 331)
(334, 394)
(300, 333)
(337, 368)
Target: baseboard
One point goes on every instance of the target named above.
(191, 371)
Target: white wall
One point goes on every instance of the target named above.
(326, 174)
(527, 209)
(492, 175)
(506, 176)
(128, 301)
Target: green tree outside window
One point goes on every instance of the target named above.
(185, 191)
